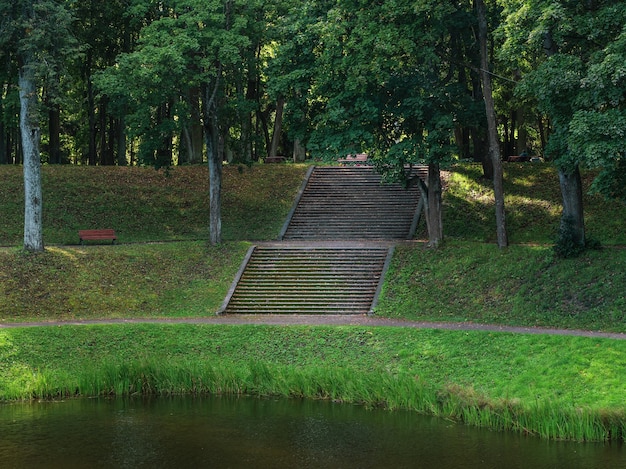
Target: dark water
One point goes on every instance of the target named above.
(216, 432)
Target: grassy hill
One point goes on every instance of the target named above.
(143, 204)
(552, 386)
(468, 279)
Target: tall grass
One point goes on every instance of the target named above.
(373, 390)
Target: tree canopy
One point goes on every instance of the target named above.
(186, 81)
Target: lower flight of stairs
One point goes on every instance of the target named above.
(283, 279)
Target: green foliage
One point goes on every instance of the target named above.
(581, 84)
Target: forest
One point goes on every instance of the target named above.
(146, 82)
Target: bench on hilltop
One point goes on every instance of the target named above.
(274, 159)
(358, 158)
(97, 235)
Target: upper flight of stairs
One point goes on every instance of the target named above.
(347, 202)
(287, 279)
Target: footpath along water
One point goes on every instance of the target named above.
(229, 432)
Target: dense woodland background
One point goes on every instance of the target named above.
(145, 82)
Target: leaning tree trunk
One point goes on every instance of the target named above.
(30, 131)
(494, 147)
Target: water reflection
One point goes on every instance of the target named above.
(226, 432)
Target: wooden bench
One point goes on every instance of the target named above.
(96, 235)
(358, 158)
(518, 158)
(274, 159)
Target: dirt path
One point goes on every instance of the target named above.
(330, 320)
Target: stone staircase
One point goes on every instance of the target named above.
(334, 247)
(352, 203)
(308, 280)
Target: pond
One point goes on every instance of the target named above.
(228, 432)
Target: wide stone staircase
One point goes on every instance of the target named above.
(308, 279)
(333, 250)
(352, 203)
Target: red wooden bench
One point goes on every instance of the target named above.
(96, 235)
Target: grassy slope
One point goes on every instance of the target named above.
(464, 281)
(533, 207)
(142, 204)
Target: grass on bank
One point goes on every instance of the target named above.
(550, 386)
(520, 286)
(533, 206)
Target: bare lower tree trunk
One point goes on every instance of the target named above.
(54, 134)
(121, 142)
(572, 219)
(215, 184)
(494, 147)
(214, 157)
(278, 127)
(29, 128)
(430, 192)
(299, 151)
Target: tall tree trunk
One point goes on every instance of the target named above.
(193, 131)
(299, 151)
(430, 192)
(494, 147)
(4, 138)
(54, 134)
(572, 218)
(215, 181)
(278, 127)
(31, 133)
(478, 134)
(120, 139)
(91, 111)
(214, 157)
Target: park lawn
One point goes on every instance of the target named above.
(532, 204)
(552, 386)
(146, 205)
(179, 279)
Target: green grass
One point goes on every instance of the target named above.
(143, 204)
(521, 286)
(183, 279)
(552, 386)
(532, 203)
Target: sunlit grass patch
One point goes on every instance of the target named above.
(550, 386)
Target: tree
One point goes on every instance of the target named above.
(494, 144)
(37, 35)
(573, 49)
(195, 48)
(386, 83)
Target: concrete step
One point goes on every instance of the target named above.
(315, 280)
(352, 203)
